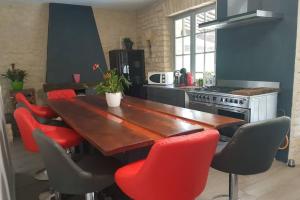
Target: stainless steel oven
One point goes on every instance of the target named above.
(229, 111)
(239, 113)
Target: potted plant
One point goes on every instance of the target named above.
(128, 43)
(112, 86)
(16, 76)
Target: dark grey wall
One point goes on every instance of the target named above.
(73, 44)
(261, 52)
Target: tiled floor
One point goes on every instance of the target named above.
(279, 183)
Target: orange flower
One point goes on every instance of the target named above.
(96, 66)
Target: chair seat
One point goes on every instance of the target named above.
(43, 111)
(63, 136)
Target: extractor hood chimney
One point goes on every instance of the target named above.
(243, 12)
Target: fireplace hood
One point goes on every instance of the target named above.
(241, 13)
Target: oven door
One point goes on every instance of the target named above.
(201, 106)
(228, 111)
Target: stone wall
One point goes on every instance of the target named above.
(24, 35)
(23, 40)
(295, 131)
(113, 26)
(154, 24)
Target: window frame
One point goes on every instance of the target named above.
(192, 14)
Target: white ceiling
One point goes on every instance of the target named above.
(113, 4)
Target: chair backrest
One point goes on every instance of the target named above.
(20, 98)
(26, 124)
(177, 167)
(7, 180)
(61, 94)
(64, 174)
(253, 147)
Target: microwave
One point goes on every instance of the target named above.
(160, 78)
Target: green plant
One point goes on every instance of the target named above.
(14, 74)
(112, 83)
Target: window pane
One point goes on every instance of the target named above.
(199, 62)
(178, 46)
(187, 26)
(187, 45)
(179, 62)
(178, 28)
(199, 76)
(210, 15)
(200, 18)
(210, 39)
(187, 63)
(200, 43)
(210, 62)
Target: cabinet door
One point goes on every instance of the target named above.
(166, 96)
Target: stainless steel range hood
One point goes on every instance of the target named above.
(243, 12)
(257, 16)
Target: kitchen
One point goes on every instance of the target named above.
(194, 66)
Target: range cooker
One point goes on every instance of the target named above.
(221, 100)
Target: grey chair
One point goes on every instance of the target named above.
(89, 175)
(251, 150)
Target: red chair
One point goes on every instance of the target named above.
(61, 94)
(66, 137)
(175, 169)
(40, 111)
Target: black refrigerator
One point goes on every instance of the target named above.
(130, 63)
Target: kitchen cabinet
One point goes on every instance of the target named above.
(171, 96)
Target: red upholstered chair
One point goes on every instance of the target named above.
(175, 169)
(40, 111)
(61, 94)
(27, 124)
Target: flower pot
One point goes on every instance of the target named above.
(113, 99)
(17, 85)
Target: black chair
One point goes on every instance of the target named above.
(91, 174)
(250, 151)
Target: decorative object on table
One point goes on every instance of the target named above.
(128, 44)
(16, 76)
(76, 78)
(183, 80)
(189, 79)
(176, 78)
(112, 86)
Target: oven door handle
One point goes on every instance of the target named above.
(235, 110)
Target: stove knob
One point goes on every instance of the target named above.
(231, 101)
(236, 101)
(226, 100)
(207, 97)
(241, 102)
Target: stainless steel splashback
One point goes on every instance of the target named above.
(247, 84)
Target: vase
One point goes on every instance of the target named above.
(76, 78)
(17, 85)
(113, 99)
(128, 45)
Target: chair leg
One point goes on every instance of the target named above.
(57, 196)
(90, 196)
(233, 187)
(41, 175)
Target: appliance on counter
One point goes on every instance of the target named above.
(247, 100)
(160, 78)
(130, 63)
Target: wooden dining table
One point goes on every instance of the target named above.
(135, 124)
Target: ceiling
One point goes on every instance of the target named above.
(112, 4)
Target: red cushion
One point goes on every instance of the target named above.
(41, 111)
(175, 169)
(27, 124)
(61, 94)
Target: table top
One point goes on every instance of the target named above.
(136, 123)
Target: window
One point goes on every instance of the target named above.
(195, 48)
